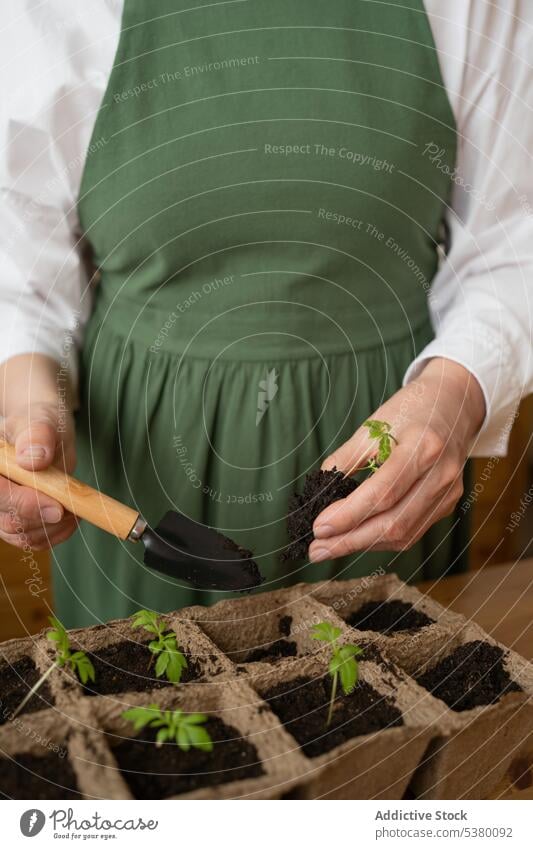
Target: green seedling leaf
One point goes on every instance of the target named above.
(185, 729)
(77, 660)
(141, 716)
(200, 738)
(326, 631)
(382, 432)
(348, 667)
(183, 739)
(161, 664)
(170, 661)
(162, 735)
(176, 665)
(57, 634)
(146, 619)
(342, 665)
(82, 666)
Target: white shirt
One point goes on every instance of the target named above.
(57, 57)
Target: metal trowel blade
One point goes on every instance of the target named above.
(189, 551)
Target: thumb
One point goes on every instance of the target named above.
(35, 441)
(355, 452)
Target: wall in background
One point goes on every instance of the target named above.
(25, 592)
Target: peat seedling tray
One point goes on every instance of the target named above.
(483, 743)
(475, 747)
(255, 670)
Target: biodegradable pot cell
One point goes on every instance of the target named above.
(18, 673)
(263, 628)
(477, 747)
(377, 735)
(46, 756)
(388, 609)
(123, 662)
(252, 758)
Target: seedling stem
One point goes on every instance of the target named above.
(77, 661)
(342, 664)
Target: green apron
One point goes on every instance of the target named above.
(265, 216)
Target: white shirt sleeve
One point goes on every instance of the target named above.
(55, 68)
(482, 297)
(57, 58)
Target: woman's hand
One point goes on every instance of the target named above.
(434, 420)
(42, 432)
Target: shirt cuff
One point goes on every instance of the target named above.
(16, 338)
(492, 366)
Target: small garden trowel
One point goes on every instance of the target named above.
(177, 546)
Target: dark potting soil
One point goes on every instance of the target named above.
(387, 617)
(320, 490)
(32, 777)
(129, 666)
(158, 772)
(473, 675)
(302, 706)
(272, 652)
(284, 625)
(250, 567)
(15, 681)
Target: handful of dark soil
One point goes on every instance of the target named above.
(320, 490)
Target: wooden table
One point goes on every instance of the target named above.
(499, 598)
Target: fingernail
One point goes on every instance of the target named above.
(34, 452)
(322, 531)
(52, 515)
(319, 554)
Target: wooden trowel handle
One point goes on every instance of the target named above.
(82, 500)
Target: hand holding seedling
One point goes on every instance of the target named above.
(77, 661)
(434, 421)
(170, 661)
(184, 729)
(342, 664)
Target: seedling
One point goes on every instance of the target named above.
(170, 661)
(77, 661)
(382, 432)
(342, 664)
(184, 729)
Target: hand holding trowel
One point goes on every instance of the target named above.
(177, 546)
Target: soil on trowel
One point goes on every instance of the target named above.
(16, 679)
(31, 777)
(302, 706)
(321, 488)
(472, 676)
(250, 567)
(388, 617)
(129, 666)
(159, 772)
